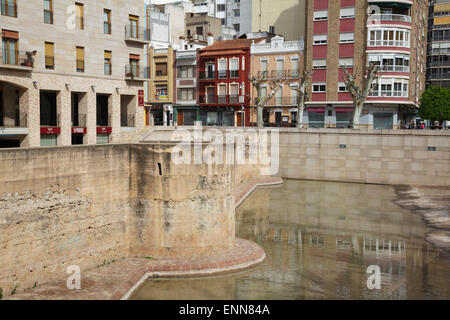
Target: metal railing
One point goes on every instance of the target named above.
(440, 63)
(16, 57)
(233, 99)
(389, 17)
(440, 50)
(234, 74)
(222, 74)
(206, 75)
(208, 99)
(134, 72)
(134, 33)
(389, 68)
(388, 93)
(221, 99)
(439, 76)
(127, 120)
(279, 101)
(440, 38)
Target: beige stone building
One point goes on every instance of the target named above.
(70, 72)
(272, 60)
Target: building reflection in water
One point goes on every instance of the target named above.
(320, 238)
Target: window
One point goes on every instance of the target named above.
(221, 7)
(320, 15)
(294, 95)
(106, 21)
(319, 87)
(319, 63)
(389, 37)
(186, 72)
(346, 37)
(134, 65)
(161, 69)
(49, 55)
(342, 87)
(161, 92)
(234, 68)
(9, 8)
(185, 94)
(237, 13)
(107, 63)
(294, 66)
(222, 68)
(134, 26)
(79, 14)
(10, 50)
(237, 27)
(80, 59)
(320, 39)
(48, 11)
(346, 62)
(347, 13)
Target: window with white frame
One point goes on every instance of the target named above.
(320, 39)
(342, 87)
(347, 13)
(346, 37)
(346, 62)
(320, 15)
(391, 62)
(319, 87)
(319, 63)
(294, 94)
(389, 37)
(388, 87)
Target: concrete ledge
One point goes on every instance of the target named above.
(119, 280)
(243, 190)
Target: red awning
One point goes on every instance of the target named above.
(344, 109)
(318, 110)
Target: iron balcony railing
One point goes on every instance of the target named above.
(134, 33)
(275, 74)
(234, 74)
(208, 99)
(221, 99)
(440, 50)
(279, 101)
(439, 76)
(389, 17)
(440, 38)
(234, 99)
(134, 72)
(127, 120)
(440, 63)
(222, 74)
(16, 57)
(207, 75)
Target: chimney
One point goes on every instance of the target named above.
(182, 43)
(210, 39)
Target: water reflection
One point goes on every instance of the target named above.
(319, 238)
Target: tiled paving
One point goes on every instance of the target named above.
(119, 279)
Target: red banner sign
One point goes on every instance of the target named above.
(104, 129)
(141, 98)
(79, 130)
(50, 130)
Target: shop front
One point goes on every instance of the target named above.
(222, 116)
(316, 117)
(103, 135)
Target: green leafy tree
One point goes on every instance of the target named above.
(435, 104)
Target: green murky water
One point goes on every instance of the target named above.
(320, 238)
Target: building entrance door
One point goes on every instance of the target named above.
(180, 118)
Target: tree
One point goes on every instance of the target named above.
(435, 104)
(274, 87)
(359, 95)
(304, 81)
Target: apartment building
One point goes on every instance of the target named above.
(160, 87)
(70, 72)
(438, 61)
(351, 33)
(273, 60)
(224, 88)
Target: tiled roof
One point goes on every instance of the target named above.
(232, 44)
(215, 53)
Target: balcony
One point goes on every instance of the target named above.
(388, 43)
(279, 101)
(17, 60)
(276, 74)
(136, 73)
(386, 94)
(207, 75)
(442, 76)
(440, 63)
(389, 68)
(138, 35)
(376, 18)
(234, 74)
(222, 74)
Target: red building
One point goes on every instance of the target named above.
(224, 88)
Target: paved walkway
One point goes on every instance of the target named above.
(120, 279)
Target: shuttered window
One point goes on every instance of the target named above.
(49, 55)
(80, 59)
(79, 14)
(107, 62)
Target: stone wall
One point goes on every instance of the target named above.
(375, 156)
(91, 205)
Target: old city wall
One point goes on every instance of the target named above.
(91, 205)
